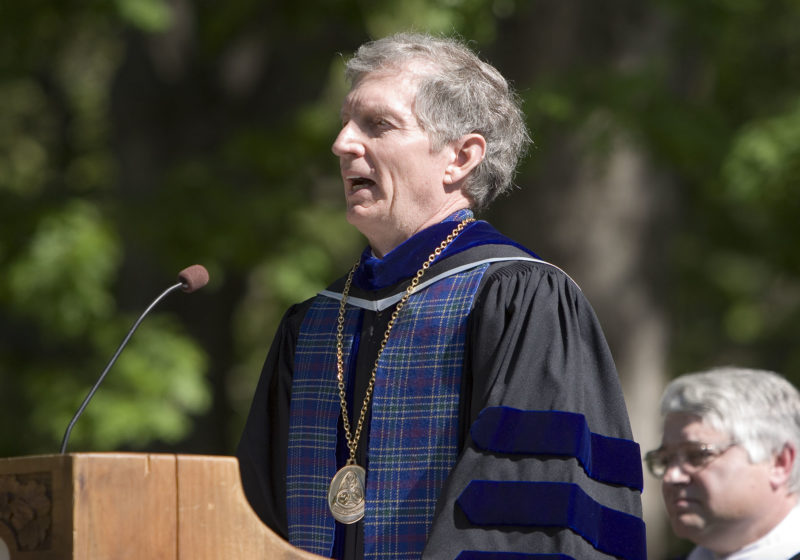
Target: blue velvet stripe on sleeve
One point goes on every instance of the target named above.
(481, 555)
(551, 432)
(554, 504)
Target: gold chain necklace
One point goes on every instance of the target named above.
(346, 491)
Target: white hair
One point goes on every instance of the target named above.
(457, 94)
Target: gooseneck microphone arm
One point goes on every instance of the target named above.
(191, 279)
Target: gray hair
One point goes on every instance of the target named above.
(759, 409)
(459, 94)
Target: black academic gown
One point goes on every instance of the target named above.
(533, 344)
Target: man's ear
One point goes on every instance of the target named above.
(468, 152)
(782, 464)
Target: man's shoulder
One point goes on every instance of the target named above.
(517, 267)
(482, 243)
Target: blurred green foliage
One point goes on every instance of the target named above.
(138, 137)
(737, 294)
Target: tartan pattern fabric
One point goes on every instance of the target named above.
(313, 417)
(414, 429)
(413, 441)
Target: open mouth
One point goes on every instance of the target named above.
(358, 183)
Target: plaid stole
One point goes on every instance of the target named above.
(413, 440)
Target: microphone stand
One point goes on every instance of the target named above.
(179, 285)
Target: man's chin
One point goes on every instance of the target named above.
(367, 215)
(359, 216)
(687, 525)
(366, 220)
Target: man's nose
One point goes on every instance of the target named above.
(348, 141)
(674, 473)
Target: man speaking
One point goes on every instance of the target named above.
(452, 395)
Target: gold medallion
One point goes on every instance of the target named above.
(346, 494)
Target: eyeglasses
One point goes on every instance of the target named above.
(690, 457)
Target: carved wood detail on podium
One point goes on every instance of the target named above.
(26, 507)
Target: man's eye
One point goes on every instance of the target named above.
(379, 122)
(698, 457)
(663, 459)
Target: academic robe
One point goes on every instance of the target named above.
(547, 467)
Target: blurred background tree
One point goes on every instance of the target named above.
(138, 137)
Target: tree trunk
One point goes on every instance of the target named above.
(600, 214)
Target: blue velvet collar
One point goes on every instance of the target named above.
(405, 260)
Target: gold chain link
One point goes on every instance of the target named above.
(352, 442)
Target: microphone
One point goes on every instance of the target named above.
(190, 279)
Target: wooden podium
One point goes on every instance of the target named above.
(120, 506)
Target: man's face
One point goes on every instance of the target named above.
(393, 182)
(718, 505)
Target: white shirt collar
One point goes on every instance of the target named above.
(781, 543)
